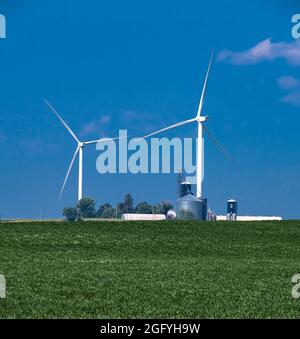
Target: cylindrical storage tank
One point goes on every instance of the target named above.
(192, 207)
(184, 189)
(211, 216)
(232, 210)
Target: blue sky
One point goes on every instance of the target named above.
(139, 65)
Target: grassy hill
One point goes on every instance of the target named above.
(149, 269)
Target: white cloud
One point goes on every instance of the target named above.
(89, 128)
(265, 50)
(95, 126)
(288, 82)
(292, 98)
(292, 85)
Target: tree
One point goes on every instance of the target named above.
(128, 203)
(163, 208)
(102, 208)
(108, 213)
(120, 209)
(143, 208)
(186, 215)
(70, 213)
(86, 207)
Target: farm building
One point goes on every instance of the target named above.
(249, 218)
(143, 217)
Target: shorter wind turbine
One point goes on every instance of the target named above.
(79, 150)
(200, 119)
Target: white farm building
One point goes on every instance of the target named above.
(144, 217)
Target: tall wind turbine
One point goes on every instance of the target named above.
(200, 119)
(78, 151)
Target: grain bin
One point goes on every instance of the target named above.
(189, 203)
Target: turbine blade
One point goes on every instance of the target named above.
(61, 119)
(204, 86)
(69, 170)
(221, 147)
(103, 139)
(168, 128)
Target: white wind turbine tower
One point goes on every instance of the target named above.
(79, 150)
(200, 119)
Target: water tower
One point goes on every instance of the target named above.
(232, 209)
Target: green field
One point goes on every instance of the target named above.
(149, 269)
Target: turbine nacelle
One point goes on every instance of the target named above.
(202, 119)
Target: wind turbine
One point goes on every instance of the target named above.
(78, 151)
(200, 119)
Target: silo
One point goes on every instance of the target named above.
(232, 210)
(189, 203)
(185, 188)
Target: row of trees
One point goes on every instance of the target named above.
(86, 208)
